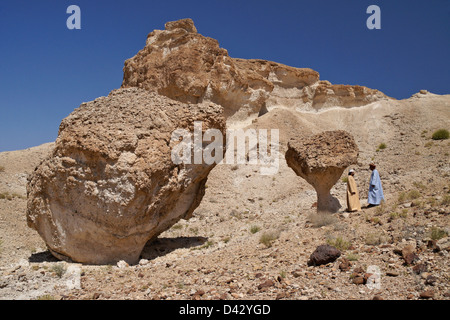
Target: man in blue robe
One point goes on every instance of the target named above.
(375, 188)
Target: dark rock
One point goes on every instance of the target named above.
(345, 265)
(392, 273)
(377, 297)
(358, 280)
(428, 294)
(418, 269)
(431, 280)
(323, 254)
(266, 284)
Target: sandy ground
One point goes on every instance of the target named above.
(252, 235)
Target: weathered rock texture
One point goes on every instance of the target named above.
(110, 184)
(320, 160)
(182, 64)
(323, 254)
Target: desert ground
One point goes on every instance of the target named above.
(252, 235)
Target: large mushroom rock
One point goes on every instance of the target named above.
(321, 160)
(110, 184)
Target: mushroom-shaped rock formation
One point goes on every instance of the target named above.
(321, 160)
(110, 184)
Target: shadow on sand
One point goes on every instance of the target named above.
(152, 250)
(162, 246)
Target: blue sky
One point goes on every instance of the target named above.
(47, 70)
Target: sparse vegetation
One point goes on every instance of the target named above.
(352, 257)
(374, 239)
(440, 134)
(437, 233)
(429, 144)
(9, 196)
(59, 270)
(2, 169)
(344, 179)
(408, 196)
(254, 229)
(413, 194)
(382, 146)
(177, 227)
(207, 244)
(445, 200)
(322, 219)
(267, 238)
(339, 243)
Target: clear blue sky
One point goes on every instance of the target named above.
(47, 70)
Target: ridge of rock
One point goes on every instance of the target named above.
(186, 66)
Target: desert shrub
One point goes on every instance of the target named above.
(322, 219)
(267, 238)
(382, 146)
(352, 257)
(59, 270)
(437, 233)
(374, 239)
(413, 195)
(381, 209)
(254, 229)
(2, 168)
(344, 179)
(339, 243)
(445, 200)
(401, 197)
(177, 226)
(440, 134)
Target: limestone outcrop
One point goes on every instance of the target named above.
(184, 65)
(110, 184)
(320, 160)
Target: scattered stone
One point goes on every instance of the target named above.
(428, 294)
(431, 280)
(392, 273)
(345, 265)
(323, 254)
(122, 264)
(266, 284)
(409, 254)
(419, 268)
(443, 244)
(358, 280)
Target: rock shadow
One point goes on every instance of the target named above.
(162, 246)
(44, 256)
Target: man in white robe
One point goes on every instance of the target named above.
(375, 189)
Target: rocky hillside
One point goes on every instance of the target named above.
(184, 65)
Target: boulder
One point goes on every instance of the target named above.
(110, 185)
(320, 160)
(323, 254)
